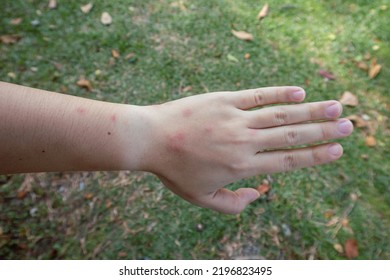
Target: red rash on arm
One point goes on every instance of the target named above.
(176, 141)
(186, 113)
(81, 110)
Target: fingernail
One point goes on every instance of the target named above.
(298, 95)
(335, 150)
(345, 127)
(333, 111)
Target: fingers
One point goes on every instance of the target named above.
(247, 99)
(287, 160)
(232, 202)
(300, 134)
(297, 113)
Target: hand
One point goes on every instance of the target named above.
(201, 143)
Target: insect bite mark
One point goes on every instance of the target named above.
(186, 113)
(81, 110)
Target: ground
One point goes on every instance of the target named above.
(155, 51)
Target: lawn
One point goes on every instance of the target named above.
(155, 51)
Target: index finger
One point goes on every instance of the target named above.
(251, 98)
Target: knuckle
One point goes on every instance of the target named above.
(289, 162)
(238, 168)
(258, 97)
(291, 137)
(280, 117)
(316, 157)
(312, 112)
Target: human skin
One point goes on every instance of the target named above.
(195, 145)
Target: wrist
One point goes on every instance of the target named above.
(137, 138)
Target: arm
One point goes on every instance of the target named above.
(44, 131)
(195, 145)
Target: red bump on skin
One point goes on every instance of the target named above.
(208, 129)
(176, 141)
(186, 113)
(81, 110)
(113, 118)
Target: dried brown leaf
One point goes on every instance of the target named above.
(84, 83)
(22, 194)
(349, 99)
(351, 248)
(328, 214)
(86, 8)
(326, 74)
(263, 188)
(338, 247)
(263, 12)
(374, 69)
(115, 54)
(106, 19)
(52, 4)
(370, 141)
(242, 35)
(16, 21)
(362, 65)
(10, 39)
(333, 221)
(247, 56)
(358, 121)
(88, 196)
(130, 56)
(187, 89)
(179, 4)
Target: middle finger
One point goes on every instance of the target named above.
(291, 114)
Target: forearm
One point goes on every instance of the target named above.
(46, 131)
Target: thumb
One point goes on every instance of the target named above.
(232, 202)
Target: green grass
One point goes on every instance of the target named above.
(131, 215)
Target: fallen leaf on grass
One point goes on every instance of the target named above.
(349, 99)
(22, 194)
(84, 83)
(186, 89)
(263, 188)
(16, 21)
(115, 54)
(88, 196)
(179, 4)
(122, 254)
(358, 121)
(11, 75)
(106, 19)
(242, 35)
(333, 221)
(370, 141)
(351, 248)
(10, 39)
(86, 8)
(232, 58)
(263, 12)
(52, 4)
(374, 69)
(362, 65)
(328, 214)
(326, 74)
(247, 56)
(338, 247)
